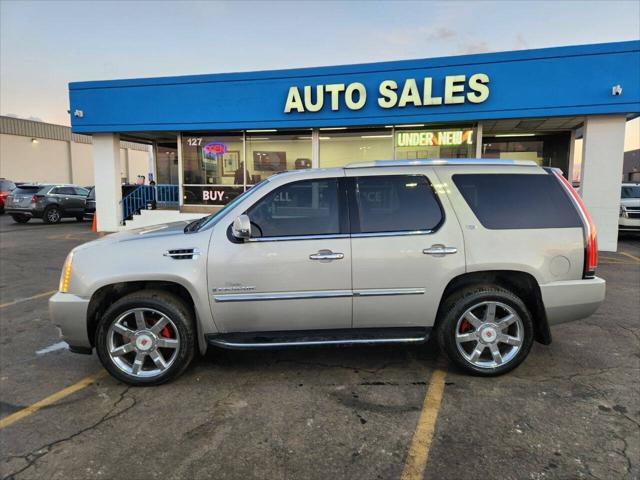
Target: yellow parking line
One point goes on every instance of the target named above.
(33, 297)
(631, 256)
(421, 443)
(25, 412)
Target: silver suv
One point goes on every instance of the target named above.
(483, 255)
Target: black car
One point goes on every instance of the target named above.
(49, 202)
(90, 207)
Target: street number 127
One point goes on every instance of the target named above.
(194, 141)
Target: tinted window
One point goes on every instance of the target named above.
(81, 191)
(308, 207)
(506, 201)
(631, 191)
(395, 203)
(27, 189)
(92, 194)
(62, 191)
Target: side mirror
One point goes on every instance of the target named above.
(241, 228)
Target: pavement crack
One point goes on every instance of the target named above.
(32, 457)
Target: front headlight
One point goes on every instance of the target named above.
(66, 274)
(623, 211)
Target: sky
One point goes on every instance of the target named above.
(44, 45)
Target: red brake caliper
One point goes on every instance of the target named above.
(166, 333)
(464, 326)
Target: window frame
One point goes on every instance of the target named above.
(343, 213)
(354, 212)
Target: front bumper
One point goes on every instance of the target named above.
(629, 224)
(571, 300)
(69, 313)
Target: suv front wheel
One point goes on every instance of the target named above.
(486, 330)
(146, 338)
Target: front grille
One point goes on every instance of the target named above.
(183, 253)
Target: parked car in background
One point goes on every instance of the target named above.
(50, 202)
(90, 206)
(6, 187)
(374, 253)
(629, 208)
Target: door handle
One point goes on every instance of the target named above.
(439, 250)
(326, 255)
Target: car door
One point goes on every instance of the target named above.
(294, 273)
(406, 246)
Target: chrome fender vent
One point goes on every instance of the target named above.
(183, 253)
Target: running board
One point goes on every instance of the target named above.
(311, 338)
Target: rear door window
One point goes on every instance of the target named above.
(308, 207)
(394, 203)
(81, 191)
(517, 201)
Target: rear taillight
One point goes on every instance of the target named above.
(590, 238)
(36, 198)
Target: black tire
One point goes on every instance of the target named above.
(20, 218)
(166, 303)
(458, 303)
(52, 214)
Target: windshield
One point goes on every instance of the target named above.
(214, 218)
(631, 191)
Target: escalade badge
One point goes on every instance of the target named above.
(234, 288)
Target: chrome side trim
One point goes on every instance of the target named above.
(258, 297)
(441, 161)
(372, 292)
(391, 234)
(297, 237)
(383, 292)
(353, 341)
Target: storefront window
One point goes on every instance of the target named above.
(451, 142)
(339, 148)
(272, 152)
(547, 150)
(212, 168)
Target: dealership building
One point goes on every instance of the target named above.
(216, 135)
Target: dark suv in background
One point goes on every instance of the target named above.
(49, 202)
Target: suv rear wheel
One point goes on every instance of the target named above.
(52, 215)
(486, 330)
(146, 338)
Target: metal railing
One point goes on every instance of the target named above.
(144, 195)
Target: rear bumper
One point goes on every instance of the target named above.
(29, 212)
(69, 314)
(571, 300)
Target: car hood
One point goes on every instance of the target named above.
(152, 231)
(630, 202)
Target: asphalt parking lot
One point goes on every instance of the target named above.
(572, 410)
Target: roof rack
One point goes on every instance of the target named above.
(442, 161)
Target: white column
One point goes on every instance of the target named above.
(479, 140)
(572, 157)
(151, 163)
(602, 158)
(106, 167)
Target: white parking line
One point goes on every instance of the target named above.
(52, 348)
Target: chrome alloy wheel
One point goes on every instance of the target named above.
(489, 334)
(143, 342)
(53, 215)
